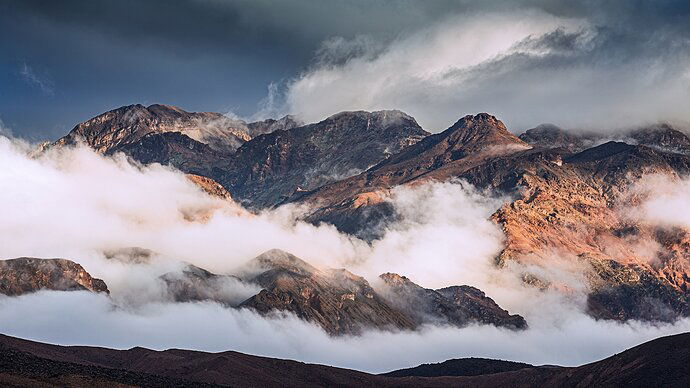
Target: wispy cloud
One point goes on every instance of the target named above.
(528, 67)
(43, 83)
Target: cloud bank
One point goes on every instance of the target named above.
(75, 204)
(83, 318)
(598, 69)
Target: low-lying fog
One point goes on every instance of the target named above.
(78, 205)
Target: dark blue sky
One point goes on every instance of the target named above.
(62, 62)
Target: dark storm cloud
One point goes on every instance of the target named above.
(223, 55)
(581, 65)
(201, 55)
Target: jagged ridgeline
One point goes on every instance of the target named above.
(335, 299)
(566, 190)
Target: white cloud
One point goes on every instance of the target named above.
(88, 319)
(41, 82)
(77, 204)
(526, 67)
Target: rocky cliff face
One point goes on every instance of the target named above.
(127, 125)
(344, 303)
(261, 164)
(26, 275)
(456, 305)
(273, 167)
(569, 194)
(567, 208)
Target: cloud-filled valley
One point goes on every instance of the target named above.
(76, 204)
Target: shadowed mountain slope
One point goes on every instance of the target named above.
(661, 362)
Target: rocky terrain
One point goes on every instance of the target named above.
(566, 208)
(246, 158)
(344, 303)
(569, 191)
(661, 362)
(127, 125)
(304, 158)
(335, 299)
(456, 305)
(26, 275)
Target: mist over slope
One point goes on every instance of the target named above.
(129, 223)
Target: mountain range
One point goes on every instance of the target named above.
(566, 188)
(568, 199)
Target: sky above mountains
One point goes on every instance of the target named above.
(578, 64)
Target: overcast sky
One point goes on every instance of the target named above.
(574, 63)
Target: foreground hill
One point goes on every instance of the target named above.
(661, 362)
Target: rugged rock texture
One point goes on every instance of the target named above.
(210, 187)
(127, 125)
(262, 163)
(177, 150)
(26, 275)
(344, 303)
(339, 301)
(568, 214)
(270, 168)
(658, 363)
(572, 217)
(357, 203)
(456, 305)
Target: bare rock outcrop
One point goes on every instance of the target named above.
(25, 275)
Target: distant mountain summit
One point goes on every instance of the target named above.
(271, 168)
(127, 125)
(249, 158)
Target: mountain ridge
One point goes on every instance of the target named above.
(659, 362)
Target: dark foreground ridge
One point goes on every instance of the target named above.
(661, 362)
(460, 367)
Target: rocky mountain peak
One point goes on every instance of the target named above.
(662, 136)
(281, 260)
(393, 279)
(473, 133)
(27, 274)
(384, 121)
(478, 136)
(117, 128)
(552, 136)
